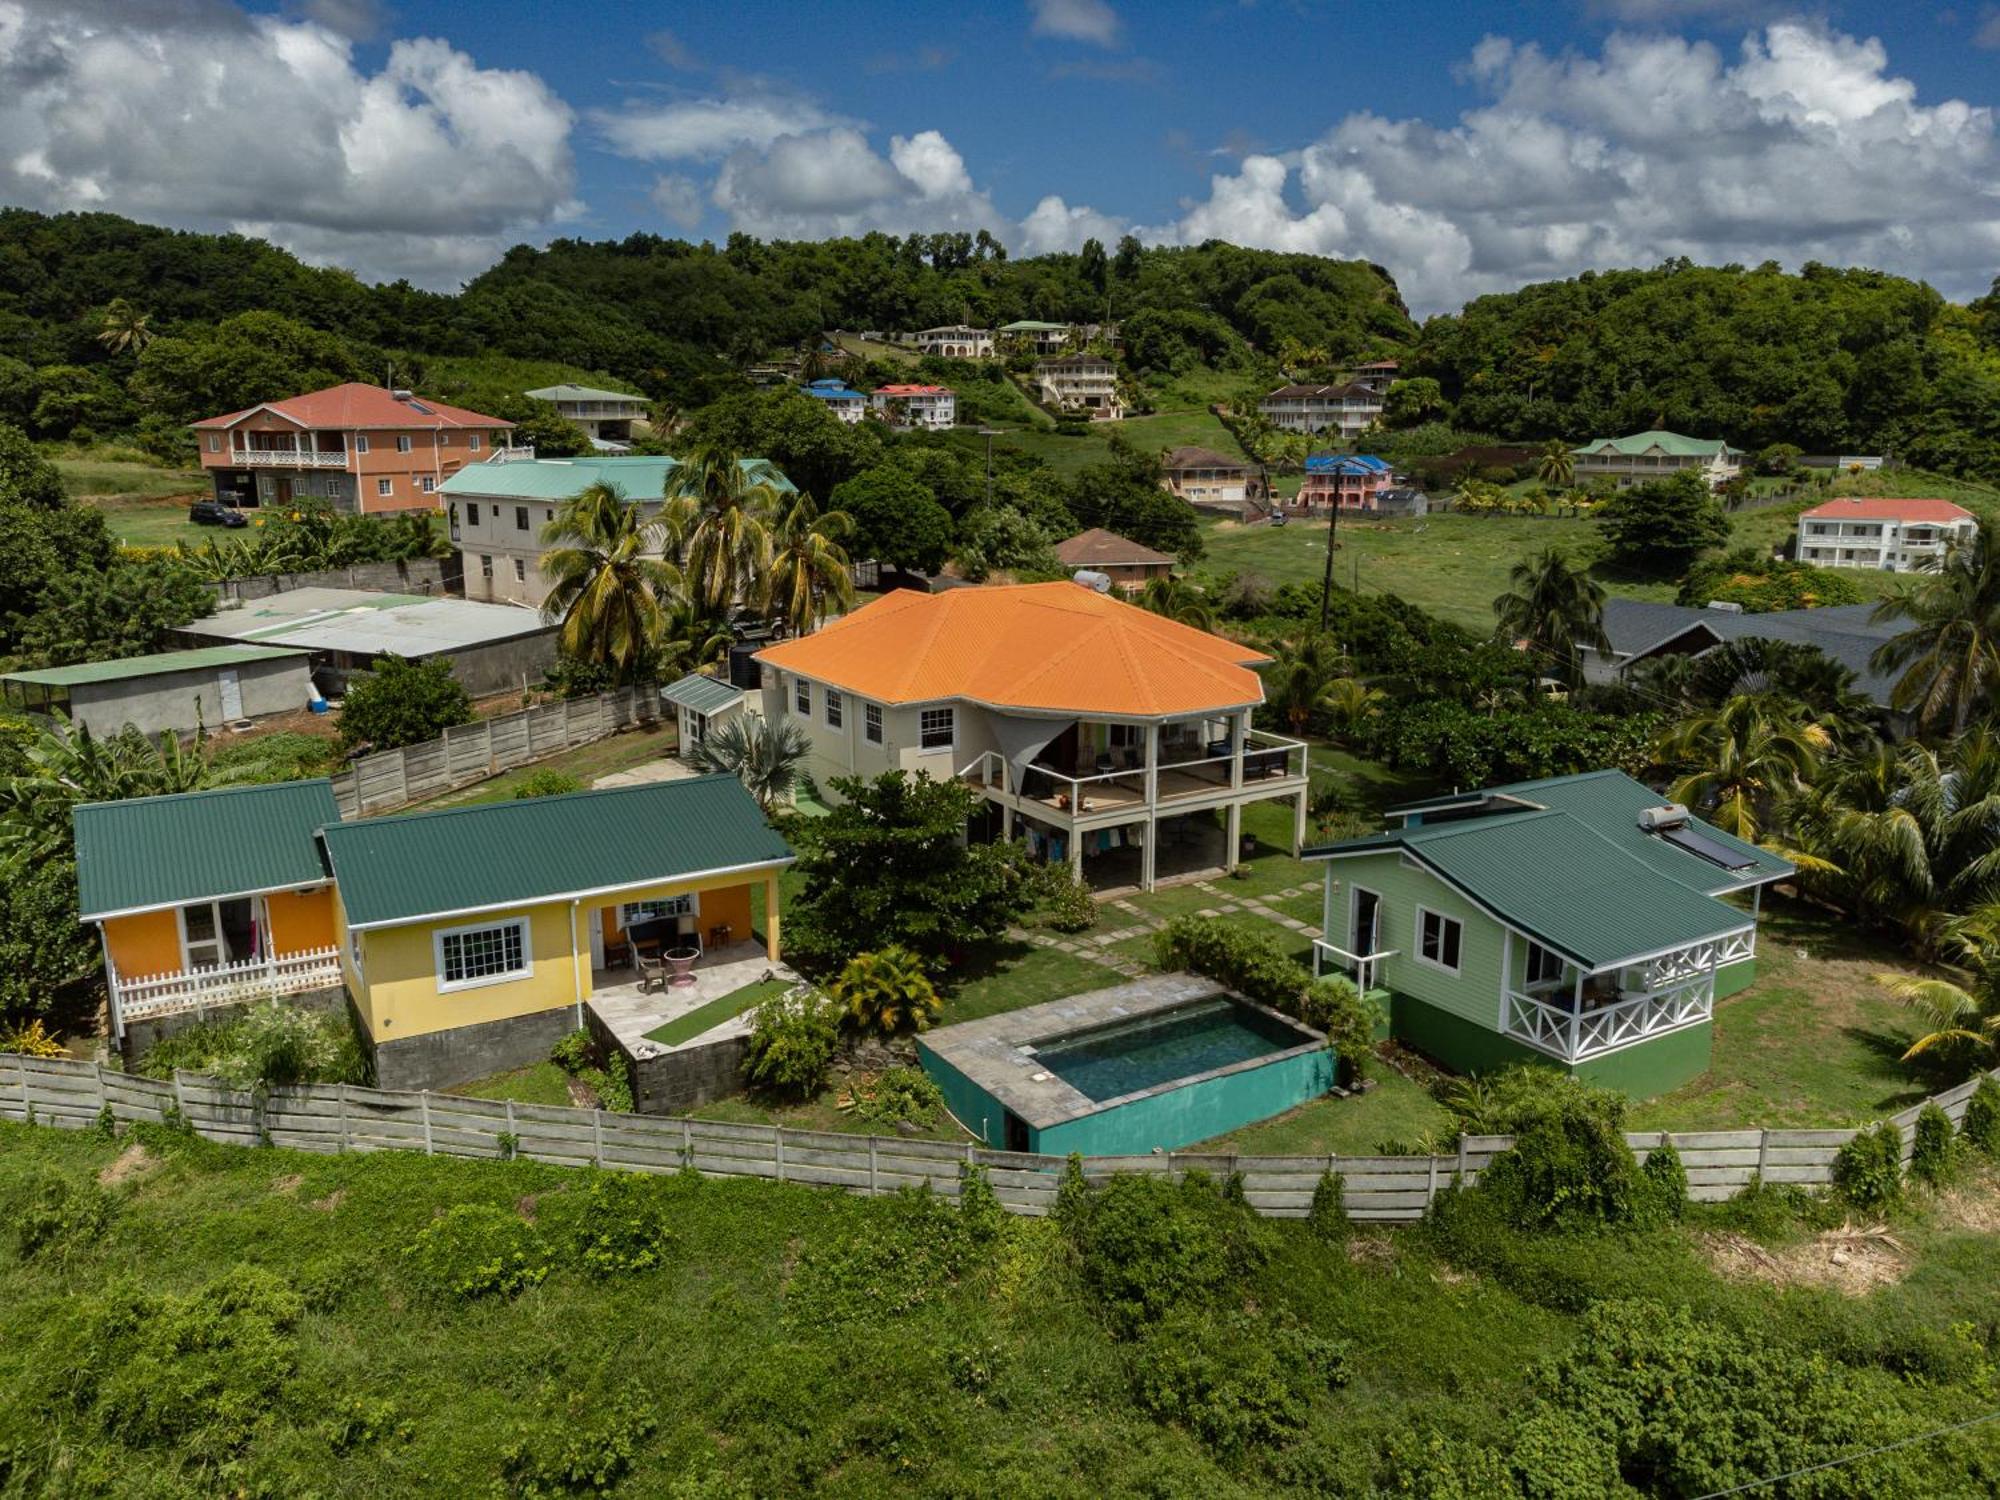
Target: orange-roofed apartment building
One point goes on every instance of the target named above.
(1117, 741)
(1895, 536)
(358, 448)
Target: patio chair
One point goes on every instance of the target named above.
(652, 971)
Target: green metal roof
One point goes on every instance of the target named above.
(638, 477)
(1572, 868)
(567, 392)
(702, 693)
(1029, 325)
(500, 854)
(230, 841)
(1667, 442)
(193, 660)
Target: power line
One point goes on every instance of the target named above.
(1835, 1463)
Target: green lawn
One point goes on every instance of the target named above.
(144, 503)
(618, 752)
(1395, 1112)
(540, 1083)
(708, 1017)
(1011, 975)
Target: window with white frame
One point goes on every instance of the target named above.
(354, 951)
(871, 723)
(360, 442)
(267, 488)
(214, 442)
(1438, 939)
(485, 954)
(937, 728)
(429, 482)
(802, 696)
(649, 911)
(833, 709)
(1544, 965)
(385, 487)
(520, 570)
(472, 442)
(404, 443)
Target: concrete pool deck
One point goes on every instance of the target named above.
(987, 1053)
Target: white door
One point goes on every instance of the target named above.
(231, 688)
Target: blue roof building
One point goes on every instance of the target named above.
(841, 399)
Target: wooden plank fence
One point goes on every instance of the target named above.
(470, 753)
(343, 1117)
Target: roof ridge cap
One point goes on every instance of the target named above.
(514, 803)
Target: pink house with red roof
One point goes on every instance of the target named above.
(357, 447)
(929, 406)
(1895, 536)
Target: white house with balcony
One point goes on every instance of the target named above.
(1111, 739)
(955, 341)
(1085, 384)
(1578, 921)
(1348, 409)
(606, 417)
(1655, 454)
(927, 408)
(1894, 536)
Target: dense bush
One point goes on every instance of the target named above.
(1520, 1095)
(792, 1039)
(1668, 1178)
(56, 1216)
(477, 1250)
(1062, 901)
(1868, 1170)
(1147, 1246)
(587, 1450)
(1981, 1125)
(886, 992)
(1570, 1169)
(1251, 963)
(1234, 1381)
(1934, 1152)
(614, 1223)
(902, 1094)
(270, 1044)
(1327, 1217)
(921, 1249)
(547, 783)
(402, 703)
(601, 1069)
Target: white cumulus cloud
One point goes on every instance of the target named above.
(706, 129)
(1054, 227)
(1076, 21)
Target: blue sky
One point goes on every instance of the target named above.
(1467, 147)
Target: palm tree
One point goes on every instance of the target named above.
(1556, 468)
(66, 765)
(1555, 609)
(718, 513)
(124, 327)
(1957, 1019)
(1297, 681)
(1950, 654)
(1746, 758)
(609, 587)
(1177, 599)
(764, 754)
(810, 576)
(1350, 704)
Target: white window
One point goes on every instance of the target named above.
(472, 442)
(647, 911)
(486, 954)
(833, 706)
(1544, 966)
(429, 483)
(520, 570)
(803, 696)
(486, 566)
(214, 442)
(360, 442)
(354, 951)
(403, 444)
(871, 723)
(267, 487)
(936, 729)
(385, 487)
(1438, 939)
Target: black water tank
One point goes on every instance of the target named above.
(743, 669)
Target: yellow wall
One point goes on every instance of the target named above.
(301, 921)
(148, 943)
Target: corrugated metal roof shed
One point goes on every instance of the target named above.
(364, 623)
(151, 852)
(500, 854)
(701, 693)
(159, 663)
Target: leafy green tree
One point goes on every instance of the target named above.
(122, 328)
(1556, 467)
(1949, 654)
(891, 864)
(896, 520)
(26, 478)
(1001, 538)
(1961, 1020)
(402, 702)
(129, 607)
(766, 755)
(1408, 403)
(1663, 525)
(1556, 610)
(886, 991)
(200, 371)
(607, 585)
(1297, 680)
(1124, 495)
(797, 435)
(1179, 600)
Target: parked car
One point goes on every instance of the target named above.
(1279, 518)
(213, 513)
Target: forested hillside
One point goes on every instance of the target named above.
(1832, 360)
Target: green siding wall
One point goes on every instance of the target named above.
(1195, 1112)
(1653, 1067)
(1461, 1045)
(1731, 978)
(1474, 993)
(1643, 1070)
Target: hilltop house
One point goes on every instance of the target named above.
(1109, 737)
(358, 447)
(606, 417)
(1041, 338)
(465, 941)
(926, 407)
(1655, 455)
(849, 405)
(1377, 375)
(956, 341)
(1127, 564)
(1085, 383)
(1347, 410)
(1896, 536)
(1350, 481)
(1209, 480)
(1577, 921)
(496, 513)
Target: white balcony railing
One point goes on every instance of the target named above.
(290, 458)
(1365, 969)
(1266, 758)
(1690, 962)
(1561, 1027)
(140, 997)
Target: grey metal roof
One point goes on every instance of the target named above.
(701, 693)
(568, 392)
(364, 623)
(1845, 632)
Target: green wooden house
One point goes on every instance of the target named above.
(1579, 920)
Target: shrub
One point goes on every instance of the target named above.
(1062, 901)
(1524, 1094)
(269, 1044)
(402, 703)
(1667, 1177)
(886, 991)
(576, 1053)
(1245, 960)
(1350, 1019)
(1327, 1218)
(31, 1040)
(1868, 1170)
(903, 1094)
(1981, 1125)
(1149, 1246)
(572, 1051)
(792, 1037)
(587, 1451)
(1569, 1170)
(477, 1250)
(910, 1257)
(1934, 1153)
(1235, 1382)
(615, 1224)
(547, 783)
(979, 1207)
(56, 1216)
(1073, 1199)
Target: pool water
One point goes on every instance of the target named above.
(1110, 1062)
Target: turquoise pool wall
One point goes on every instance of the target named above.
(1178, 1117)
(975, 1109)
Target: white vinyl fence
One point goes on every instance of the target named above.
(472, 752)
(342, 1117)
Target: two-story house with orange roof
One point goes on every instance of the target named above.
(359, 448)
(1110, 738)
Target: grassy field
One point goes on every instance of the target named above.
(145, 503)
(618, 752)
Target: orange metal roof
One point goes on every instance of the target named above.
(1055, 647)
(358, 405)
(1872, 508)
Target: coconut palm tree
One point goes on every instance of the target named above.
(1950, 654)
(1556, 609)
(124, 327)
(810, 576)
(1556, 467)
(1177, 599)
(1745, 759)
(1297, 680)
(609, 587)
(1350, 706)
(719, 512)
(1958, 1018)
(764, 754)
(67, 765)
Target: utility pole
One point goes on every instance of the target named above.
(1326, 583)
(989, 433)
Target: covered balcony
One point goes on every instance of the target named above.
(1572, 1015)
(284, 450)
(148, 997)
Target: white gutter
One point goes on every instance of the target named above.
(571, 896)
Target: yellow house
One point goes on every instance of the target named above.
(467, 940)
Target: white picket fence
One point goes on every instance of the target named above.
(342, 1117)
(140, 997)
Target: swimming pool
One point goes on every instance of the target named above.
(1154, 1065)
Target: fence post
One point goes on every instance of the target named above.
(597, 1136)
(1431, 1187)
(340, 1108)
(180, 1099)
(1763, 1149)
(515, 1149)
(687, 1143)
(1461, 1158)
(873, 1190)
(103, 1095)
(778, 1140)
(27, 1095)
(424, 1103)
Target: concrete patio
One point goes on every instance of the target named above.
(629, 1012)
